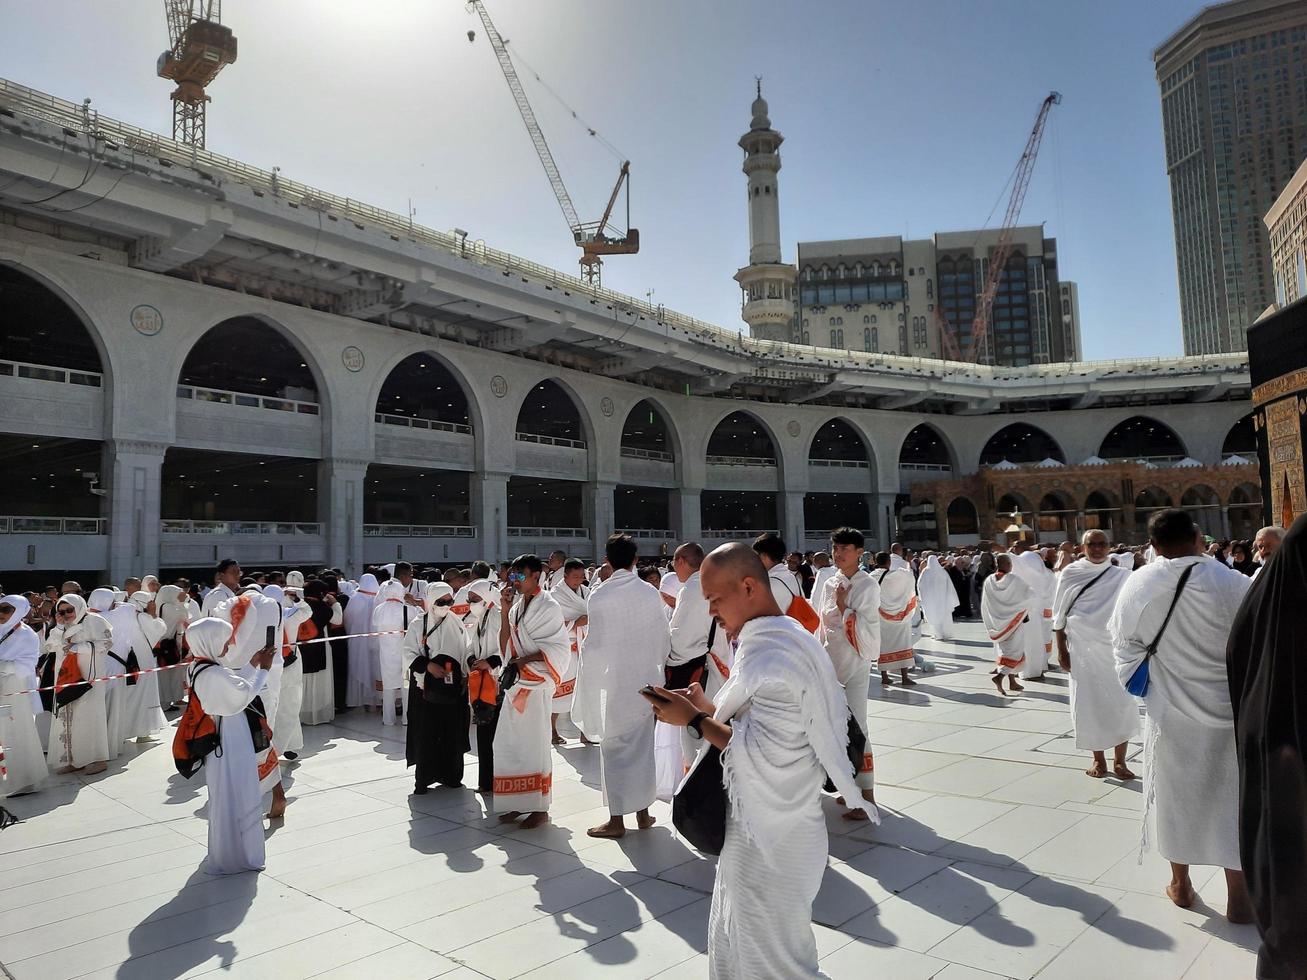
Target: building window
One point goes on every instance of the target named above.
(866, 339)
(930, 289)
(873, 318)
(875, 340)
(837, 339)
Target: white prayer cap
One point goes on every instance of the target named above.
(295, 580)
(141, 600)
(101, 600)
(207, 637)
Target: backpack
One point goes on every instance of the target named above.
(197, 733)
(801, 611)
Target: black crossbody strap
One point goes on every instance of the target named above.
(712, 633)
(1092, 583)
(1184, 577)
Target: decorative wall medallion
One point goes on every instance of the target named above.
(352, 358)
(606, 405)
(499, 386)
(146, 320)
(793, 428)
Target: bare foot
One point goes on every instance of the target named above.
(609, 831)
(586, 741)
(558, 739)
(839, 800)
(537, 819)
(908, 681)
(1181, 895)
(65, 770)
(1240, 913)
(510, 816)
(278, 810)
(1012, 684)
(885, 680)
(998, 683)
(1122, 771)
(95, 768)
(1098, 770)
(646, 821)
(854, 815)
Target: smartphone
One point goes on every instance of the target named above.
(649, 692)
(272, 636)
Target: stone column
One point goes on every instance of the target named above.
(599, 512)
(1225, 522)
(490, 515)
(686, 515)
(341, 486)
(882, 520)
(791, 528)
(131, 473)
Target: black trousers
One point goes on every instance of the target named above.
(486, 755)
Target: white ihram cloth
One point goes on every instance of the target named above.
(1103, 713)
(784, 586)
(20, 649)
(898, 602)
(287, 732)
(787, 734)
(360, 685)
(251, 615)
(852, 642)
(1030, 568)
(1004, 608)
(172, 605)
(391, 616)
(625, 650)
(819, 577)
(524, 759)
(939, 597)
(898, 561)
(235, 816)
(215, 597)
(79, 732)
(136, 632)
(573, 605)
(690, 628)
(1191, 769)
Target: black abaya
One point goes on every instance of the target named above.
(1267, 664)
(438, 721)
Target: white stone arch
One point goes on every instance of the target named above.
(778, 447)
(944, 439)
(628, 406)
(588, 428)
(476, 411)
(868, 445)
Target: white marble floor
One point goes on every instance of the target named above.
(997, 857)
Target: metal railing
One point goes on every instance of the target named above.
(46, 372)
(646, 532)
(217, 396)
(927, 467)
(632, 452)
(717, 534)
(739, 461)
(53, 525)
(854, 464)
(548, 532)
(550, 440)
(419, 531)
(238, 527)
(415, 423)
(112, 133)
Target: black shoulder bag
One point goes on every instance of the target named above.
(679, 676)
(699, 806)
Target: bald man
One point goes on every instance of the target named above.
(793, 733)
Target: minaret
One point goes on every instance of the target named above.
(768, 285)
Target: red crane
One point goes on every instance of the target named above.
(1003, 249)
(200, 47)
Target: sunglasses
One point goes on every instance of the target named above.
(444, 601)
(516, 577)
(65, 612)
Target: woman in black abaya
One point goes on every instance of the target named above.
(1267, 665)
(437, 711)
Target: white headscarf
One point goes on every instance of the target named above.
(388, 611)
(170, 604)
(436, 590)
(100, 601)
(207, 639)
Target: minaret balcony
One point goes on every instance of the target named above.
(768, 311)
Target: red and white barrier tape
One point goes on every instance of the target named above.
(186, 663)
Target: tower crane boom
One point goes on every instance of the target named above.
(590, 236)
(199, 47)
(998, 259)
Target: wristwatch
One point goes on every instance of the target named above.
(695, 724)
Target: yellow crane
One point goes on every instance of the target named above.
(200, 48)
(594, 238)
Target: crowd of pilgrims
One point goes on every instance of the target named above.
(767, 651)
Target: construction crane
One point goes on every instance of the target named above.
(200, 48)
(592, 237)
(1002, 250)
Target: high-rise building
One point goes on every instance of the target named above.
(895, 296)
(767, 283)
(1286, 224)
(1234, 117)
(1069, 302)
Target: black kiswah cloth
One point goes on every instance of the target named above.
(1266, 660)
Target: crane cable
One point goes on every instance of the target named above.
(517, 56)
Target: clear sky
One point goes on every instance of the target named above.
(899, 118)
